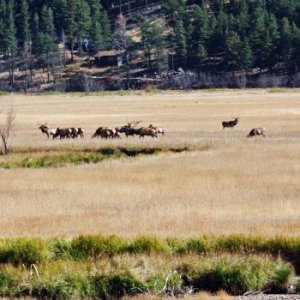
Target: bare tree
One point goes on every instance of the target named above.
(5, 130)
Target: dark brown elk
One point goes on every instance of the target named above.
(100, 132)
(46, 130)
(106, 133)
(129, 129)
(75, 132)
(256, 131)
(230, 124)
(62, 133)
(146, 131)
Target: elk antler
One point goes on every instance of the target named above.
(135, 123)
(42, 124)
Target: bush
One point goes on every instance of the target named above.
(8, 284)
(199, 245)
(23, 251)
(87, 246)
(237, 275)
(149, 245)
(117, 285)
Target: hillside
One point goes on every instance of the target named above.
(132, 44)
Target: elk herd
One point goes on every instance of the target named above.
(130, 129)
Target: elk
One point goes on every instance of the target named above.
(46, 130)
(256, 131)
(106, 132)
(230, 124)
(63, 133)
(75, 132)
(157, 129)
(129, 129)
(146, 131)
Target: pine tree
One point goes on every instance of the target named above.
(180, 43)
(22, 22)
(2, 25)
(200, 35)
(153, 45)
(72, 27)
(84, 22)
(10, 42)
(46, 48)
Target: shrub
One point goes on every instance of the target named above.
(23, 251)
(61, 248)
(148, 245)
(127, 284)
(199, 245)
(177, 245)
(87, 246)
(8, 284)
(237, 275)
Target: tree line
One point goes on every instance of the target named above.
(209, 35)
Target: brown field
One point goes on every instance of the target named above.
(227, 184)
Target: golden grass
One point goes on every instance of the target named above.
(233, 185)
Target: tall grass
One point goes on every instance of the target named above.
(126, 275)
(31, 251)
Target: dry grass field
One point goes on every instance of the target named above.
(226, 184)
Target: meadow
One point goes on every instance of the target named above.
(200, 209)
(223, 183)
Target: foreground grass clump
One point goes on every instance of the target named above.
(152, 274)
(85, 247)
(237, 275)
(101, 267)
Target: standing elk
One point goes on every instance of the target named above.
(75, 132)
(146, 131)
(63, 133)
(256, 131)
(157, 129)
(230, 124)
(106, 133)
(46, 130)
(129, 129)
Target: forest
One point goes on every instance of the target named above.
(203, 35)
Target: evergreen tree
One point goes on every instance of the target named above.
(285, 41)
(10, 42)
(84, 22)
(153, 45)
(60, 13)
(72, 27)
(22, 23)
(197, 51)
(2, 25)
(46, 48)
(180, 43)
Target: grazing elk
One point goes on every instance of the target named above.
(62, 133)
(157, 129)
(75, 132)
(46, 130)
(256, 131)
(230, 124)
(106, 133)
(146, 131)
